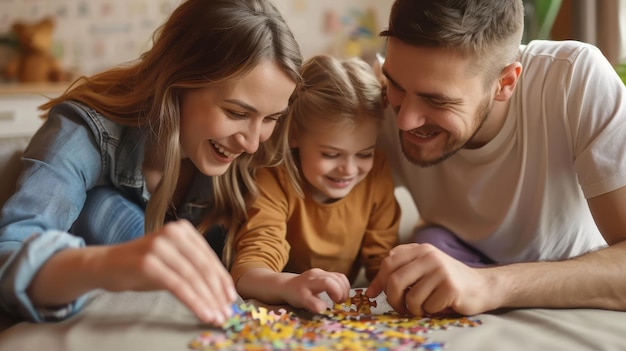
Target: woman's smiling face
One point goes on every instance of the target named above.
(220, 122)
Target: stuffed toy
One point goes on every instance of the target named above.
(34, 61)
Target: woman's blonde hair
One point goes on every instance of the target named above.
(334, 91)
(203, 42)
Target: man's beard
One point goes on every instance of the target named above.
(417, 156)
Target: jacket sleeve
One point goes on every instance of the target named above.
(262, 240)
(384, 220)
(60, 164)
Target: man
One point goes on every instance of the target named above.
(519, 150)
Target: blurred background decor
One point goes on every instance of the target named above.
(34, 61)
(539, 18)
(89, 35)
(93, 35)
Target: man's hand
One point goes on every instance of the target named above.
(420, 280)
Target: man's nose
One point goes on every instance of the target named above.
(410, 115)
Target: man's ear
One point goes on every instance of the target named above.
(508, 80)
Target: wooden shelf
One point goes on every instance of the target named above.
(33, 88)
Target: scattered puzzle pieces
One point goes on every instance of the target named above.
(346, 327)
(358, 303)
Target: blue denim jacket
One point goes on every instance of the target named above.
(75, 150)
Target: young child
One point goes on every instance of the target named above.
(330, 209)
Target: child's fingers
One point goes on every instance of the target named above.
(340, 290)
(314, 304)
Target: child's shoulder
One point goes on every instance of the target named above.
(277, 175)
(271, 172)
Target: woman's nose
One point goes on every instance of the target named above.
(248, 141)
(250, 138)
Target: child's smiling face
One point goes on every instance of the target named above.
(334, 158)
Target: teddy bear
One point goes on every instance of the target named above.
(34, 61)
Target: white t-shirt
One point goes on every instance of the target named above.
(522, 196)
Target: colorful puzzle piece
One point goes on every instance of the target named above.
(362, 304)
(342, 328)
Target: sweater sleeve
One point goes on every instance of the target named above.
(261, 241)
(384, 221)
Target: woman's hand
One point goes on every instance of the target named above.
(302, 289)
(175, 258)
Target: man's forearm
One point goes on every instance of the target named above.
(594, 280)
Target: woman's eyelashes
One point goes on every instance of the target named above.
(245, 115)
(273, 118)
(236, 114)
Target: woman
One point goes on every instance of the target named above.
(172, 141)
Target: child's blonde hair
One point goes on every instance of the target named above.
(334, 91)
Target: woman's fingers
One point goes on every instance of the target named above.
(176, 258)
(179, 286)
(214, 281)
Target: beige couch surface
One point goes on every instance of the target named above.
(155, 321)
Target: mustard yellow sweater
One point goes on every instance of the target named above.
(287, 233)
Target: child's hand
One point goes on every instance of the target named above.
(302, 290)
